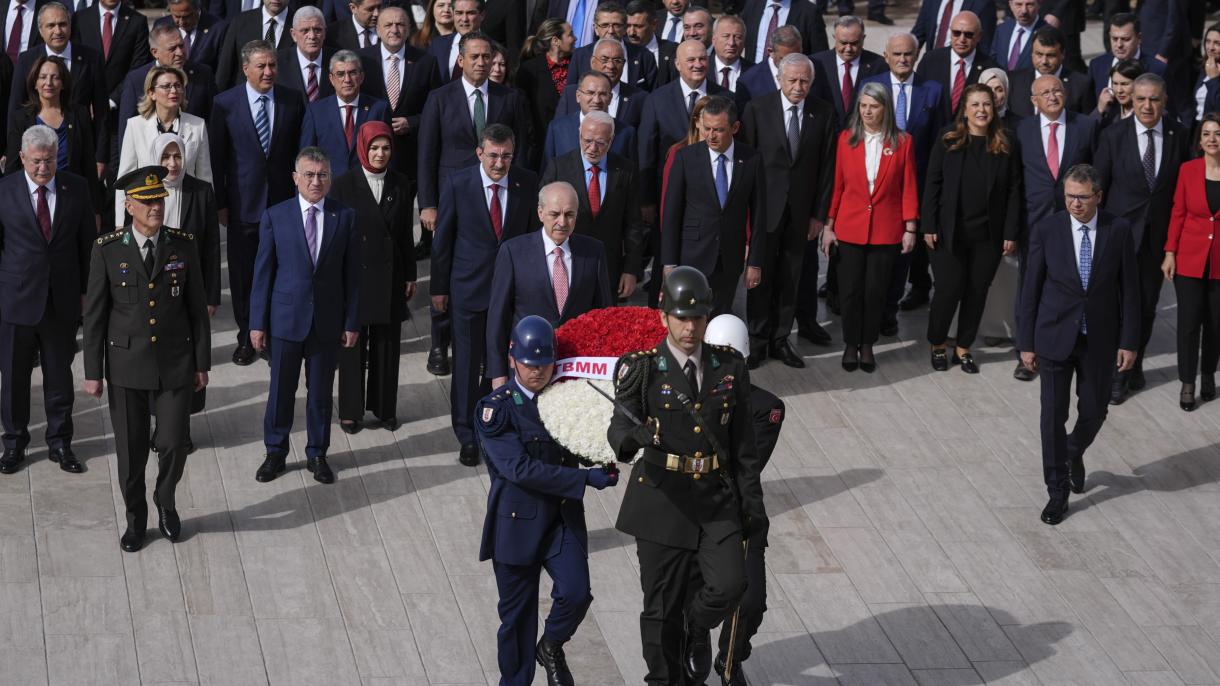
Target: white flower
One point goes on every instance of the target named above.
(577, 417)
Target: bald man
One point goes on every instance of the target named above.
(959, 63)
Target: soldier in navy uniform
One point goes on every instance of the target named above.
(535, 515)
(695, 492)
(146, 328)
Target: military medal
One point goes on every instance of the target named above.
(724, 418)
(174, 290)
(123, 268)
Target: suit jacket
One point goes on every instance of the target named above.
(418, 78)
(1079, 94)
(641, 67)
(289, 73)
(197, 215)
(936, 64)
(893, 201)
(666, 69)
(237, 156)
(29, 18)
(1211, 103)
(1165, 29)
(446, 133)
(925, 118)
(6, 84)
(128, 43)
(1192, 224)
(206, 43)
(1053, 300)
(89, 92)
(618, 224)
(1099, 69)
(34, 270)
(927, 23)
(291, 297)
(242, 29)
(1003, 37)
(828, 79)
(1044, 194)
(439, 50)
(758, 80)
(695, 230)
(323, 127)
(521, 286)
(387, 247)
(200, 89)
(341, 34)
(663, 123)
(630, 105)
(802, 185)
(1126, 189)
(464, 245)
(801, 15)
(563, 136)
(943, 187)
(81, 149)
(137, 151)
(534, 80)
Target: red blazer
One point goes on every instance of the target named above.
(1192, 225)
(879, 218)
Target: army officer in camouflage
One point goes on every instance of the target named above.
(146, 329)
(695, 491)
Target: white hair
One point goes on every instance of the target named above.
(305, 13)
(40, 137)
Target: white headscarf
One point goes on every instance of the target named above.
(172, 205)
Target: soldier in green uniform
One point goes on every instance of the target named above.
(146, 328)
(695, 491)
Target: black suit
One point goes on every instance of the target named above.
(664, 122)
(1078, 93)
(206, 40)
(828, 79)
(534, 80)
(81, 149)
(242, 29)
(89, 90)
(936, 65)
(798, 189)
(342, 35)
(128, 43)
(640, 70)
(802, 16)
(418, 78)
(289, 74)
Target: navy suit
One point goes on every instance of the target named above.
(289, 73)
(936, 66)
(439, 48)
(304, 309)
(757, 80)
(1044, 193)
(1003, 37)
(323, 127)
(828, 79)
(927, 24)
(664, 122)
(535, 520)
(563, 136)
(1099, 69)
(41, 284)
(1055, 308)
(630, 104)
(641, 67)
(200, 89)
(463, 255)
(209, 35)
(522, 286)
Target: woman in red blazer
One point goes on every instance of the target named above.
(1192, 262)
(872, 217)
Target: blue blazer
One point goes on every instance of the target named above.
(209, 36)
(535, 483)
(926, 118)
(290, 296)
(439, 48)
(757, 80)
(630, 104)
(925, 24)
(663, 123)
(1043, 194)
(1053, 299)
(323, 127)
(563, 136)
(521, 286)
(1003, 36)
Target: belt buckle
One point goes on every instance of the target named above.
(673, 462)
(697, 464)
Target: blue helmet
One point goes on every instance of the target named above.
(533, 341)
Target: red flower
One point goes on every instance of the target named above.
(609, 332)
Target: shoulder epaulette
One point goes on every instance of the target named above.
(724, 349)
(179, 233)
(641, 353)
(111, 237)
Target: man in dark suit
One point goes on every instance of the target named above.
(448, 143)
(697, 25)
(467, 18)
(795, 136)
(642, 31)
(640, 68)
(626, 102)
(305, 303)
(763, 78)
(167, 49)
(202, 33)
(474, 220)
(44, 264)
(26, 31)
(958, 65)
(839, 71)
(728, 63)
(1010, 46)
(303, 64)
(332, 122)
(356, 30)
(1047, 56)
(254, 132)
(762, 18)
(269, 23)
(935, 19)
(563, 134)
(1079, 314)
(669, 20)
(1125, 42)
(1138, 160)
(552, 273)
(120, 35)
(609, 189)
(716, 189)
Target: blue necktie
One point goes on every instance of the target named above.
(722, 181)
(900, 111)
(674, 35)
(1086, 267)
(578, 23)
(262, 125)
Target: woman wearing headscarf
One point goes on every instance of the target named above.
(368, 372)
(997, 80)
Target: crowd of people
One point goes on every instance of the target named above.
(568, 155)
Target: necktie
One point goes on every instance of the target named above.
(959, 84)
(107, 33)
(724, 77)
(722, 180)
(559, 279)
(82, 5)
(692, 377)
(771, 26)
(1052, 151)
(13, 46)
(44, 213)
(497, 214)
(1150, 160)
(311, 233)
(1086, 268)
(364, 38)
(262, 125)
(578, 23)
(270, 37)
(311, 83)
(393, 84)
(900, 110)
(945, 18)
(794, 131)
(1015, 54)
(595, 190)
(691, 100)
(148, 257)
(673, 36)
(847, 87)
(186, 44)
(349, 125)
(480, 114)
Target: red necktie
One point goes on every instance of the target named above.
(946, 18)
(311, 85)
(44, 213)
(559, 279)
(107, 33)
(959, 84)
(595, 191)
(13, 47)
(497, 218)
(724, 78)
(1052, 151)
(771, 26)
(847, 87)
(186, 44)
(348, 125)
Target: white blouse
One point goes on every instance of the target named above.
(376, 183)
(872, 157)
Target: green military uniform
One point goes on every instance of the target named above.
(147, 332)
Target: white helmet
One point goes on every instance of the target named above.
(728, 330)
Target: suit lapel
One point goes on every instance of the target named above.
(281, 116)
(887, 154)
(1069, 252)
(61, 201)
(1100, 242)
(330, 224)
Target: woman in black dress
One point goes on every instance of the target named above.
(379, 196)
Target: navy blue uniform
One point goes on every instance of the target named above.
(535, 521)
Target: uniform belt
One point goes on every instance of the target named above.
(696, 465)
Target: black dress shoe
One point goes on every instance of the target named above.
(169, 523)
(132, 540)
(812, 332)
(1186, 399)
(1118, 390)
(737, 678)
(350, 427)
(265, 355)
(889, 326)
(1022, 373)
(550, 656)
(967, 363)
(1207, 388)
(868, 363)
(823, 290)
(438, 362)
(469, 455)
(914, 300)
(1055, 510)
(940, 359)
(391, 424)
(851, 358)
(1076, 473)
(11, 460)
(782, 351)
(272, 467)
(1135, 379)
(67, 460)
(697, 662)
(244, 356)
(881, 19)
(320, 469)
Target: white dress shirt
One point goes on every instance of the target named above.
(385, 67)
(355, 105)
(940, 12)
(734, 72)
(28, 19)
(787, 105)
(1201, 98)
(1078, 236)
(1045, 127)
(872, 157)
(1141, 137)
(760, 52)
(303, 63)
(470, 98)
(149, 241)
(66, 55)
(686, 91)
(838, 77)
(319, 219)
(655, 48)
(455, 49)
(502, 184)
(612, 106)
(894, 87)
(954, 59)
(774, 72)
(1020, 36)
(376, 183)
(279, 24)
(361, 36)
(681, 358)
(101, 22)
(728, 162)
(252, 96)
(34, 195)
(550, 245)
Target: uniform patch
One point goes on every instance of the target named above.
(622, 371)
(776, 416)
(662, 365)
(488, 413)
(174, 266)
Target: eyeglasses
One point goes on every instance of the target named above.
(1049, 92)
(1080, 198)
(962, 34)
(315, 176)
(611, 24)
(350, 73)
(169, 87)
(616, 61)
(599, 142)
